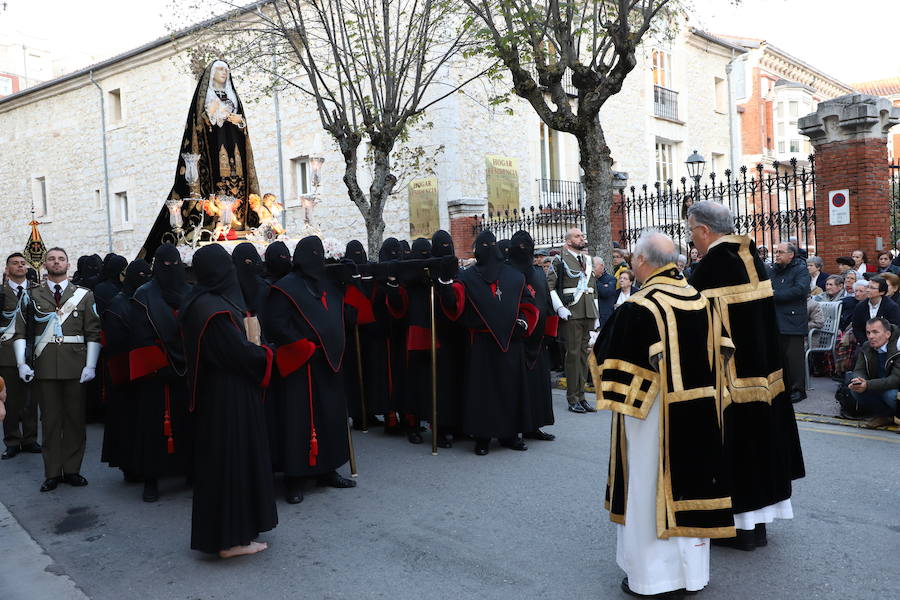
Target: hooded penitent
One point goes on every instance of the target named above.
(442, 244)
(226, 164)
(390, 250)
(248, 265)
(355, 252)
(278, 261)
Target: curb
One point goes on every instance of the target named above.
(26, 571)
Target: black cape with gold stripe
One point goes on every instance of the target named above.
(665, 344)
(762, 446)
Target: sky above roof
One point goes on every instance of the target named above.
(850, 45)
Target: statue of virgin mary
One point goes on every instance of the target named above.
(216, 133)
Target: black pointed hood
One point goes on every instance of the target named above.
(248, 267)
(421, 249)
(136, 274)
(168, 272)
(390, 250)
(442, 244)
(487, 256)
(278, 261)
(309, 257)
(355, 252)
(521, 251)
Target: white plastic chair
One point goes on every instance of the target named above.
(823, 339)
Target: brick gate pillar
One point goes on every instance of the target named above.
(617, 208)
(464, 214)
(849, 135)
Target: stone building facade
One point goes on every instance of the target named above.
(52, 144)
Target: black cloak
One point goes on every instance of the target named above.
(305, 319)
(278, 261)
(233, 495)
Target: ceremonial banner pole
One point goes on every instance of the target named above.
(362, 392)
(353, 471)
(434, 425)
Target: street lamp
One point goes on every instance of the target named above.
(315, 163)
(695, 165)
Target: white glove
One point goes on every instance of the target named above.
(563, 313)
(87, 374)
(597, 325)
(26, 373)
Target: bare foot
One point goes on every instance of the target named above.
(251, 548)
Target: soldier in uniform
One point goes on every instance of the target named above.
(20, 426)
(572, 284)
(66, 348)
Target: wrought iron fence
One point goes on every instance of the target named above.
(770, 205)
(561, 208)
(895, 203)
(665, 103)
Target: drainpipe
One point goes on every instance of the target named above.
(732, 154)
(105, 162)
(278, 145)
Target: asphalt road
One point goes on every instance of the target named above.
(506, 526)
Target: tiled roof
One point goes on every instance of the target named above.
(880, 87)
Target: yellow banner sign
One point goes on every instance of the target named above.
(502, 178)
(424, 217)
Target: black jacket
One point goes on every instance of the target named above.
(867, 365)
(606, 294)
(887, 308)
(790, 286)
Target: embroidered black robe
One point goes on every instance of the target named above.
(762, 445)
(665, 344)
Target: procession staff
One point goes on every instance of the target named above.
(354, 379)
(234, 500)
(20, 426)
(164, 439)
(305, 320)
(659, 362)
(66, 349)
(762, 445)
(488, 301)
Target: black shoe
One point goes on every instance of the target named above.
(151, 491)
(293, 490)
(335, 480)
(537, 434)
(797, 396)
(587, 407)
(515, 443)
(75, 479)
(759, 535)
(444, 441)
(482, 447)
(33, 448)
(414, 437)
(743, 541)
(666, 595)
(577, 408)
(11, 452)
(50, 484)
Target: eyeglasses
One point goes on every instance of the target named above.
(782, 252)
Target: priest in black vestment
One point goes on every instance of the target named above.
(489, 301)
(537, 359)
(762, 445)
(306, 313)
(163, 439)
(227, 375)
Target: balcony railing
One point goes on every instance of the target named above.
(567, 85)
(665, 103)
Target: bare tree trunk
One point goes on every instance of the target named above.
(382, 187)
(596, 162)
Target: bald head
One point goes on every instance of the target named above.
(653, 250)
